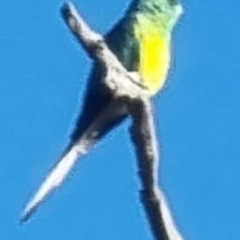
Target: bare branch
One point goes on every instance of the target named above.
(98, 50)
(124, 86)
(127, 86)
(144, 136)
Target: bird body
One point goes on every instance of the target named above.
(154, 55)
(141, 41)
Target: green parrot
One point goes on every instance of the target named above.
(141, 41)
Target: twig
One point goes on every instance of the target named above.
(118, 80)
(152, 197)
(143, 131)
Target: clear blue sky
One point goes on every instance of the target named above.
(42, 78)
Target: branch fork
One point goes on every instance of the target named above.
(127, 86)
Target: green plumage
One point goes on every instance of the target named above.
(121, 40)
(141, 42)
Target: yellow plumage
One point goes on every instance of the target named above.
(154, 56)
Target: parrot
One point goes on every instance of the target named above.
(141, 41)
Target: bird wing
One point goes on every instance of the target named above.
(61, 170)
(100, 114)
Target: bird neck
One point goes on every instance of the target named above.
(154, 6)
(163, 13)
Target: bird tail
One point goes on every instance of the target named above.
(52, 181)
(76, 149)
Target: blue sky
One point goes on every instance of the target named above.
(42, 80)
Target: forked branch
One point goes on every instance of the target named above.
(127, 87)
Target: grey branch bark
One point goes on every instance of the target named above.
(146, 145)
(127, 86)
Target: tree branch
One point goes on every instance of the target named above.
(97, 49)
(144, 136)
(127, 87)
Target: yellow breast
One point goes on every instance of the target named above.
(154, 57)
